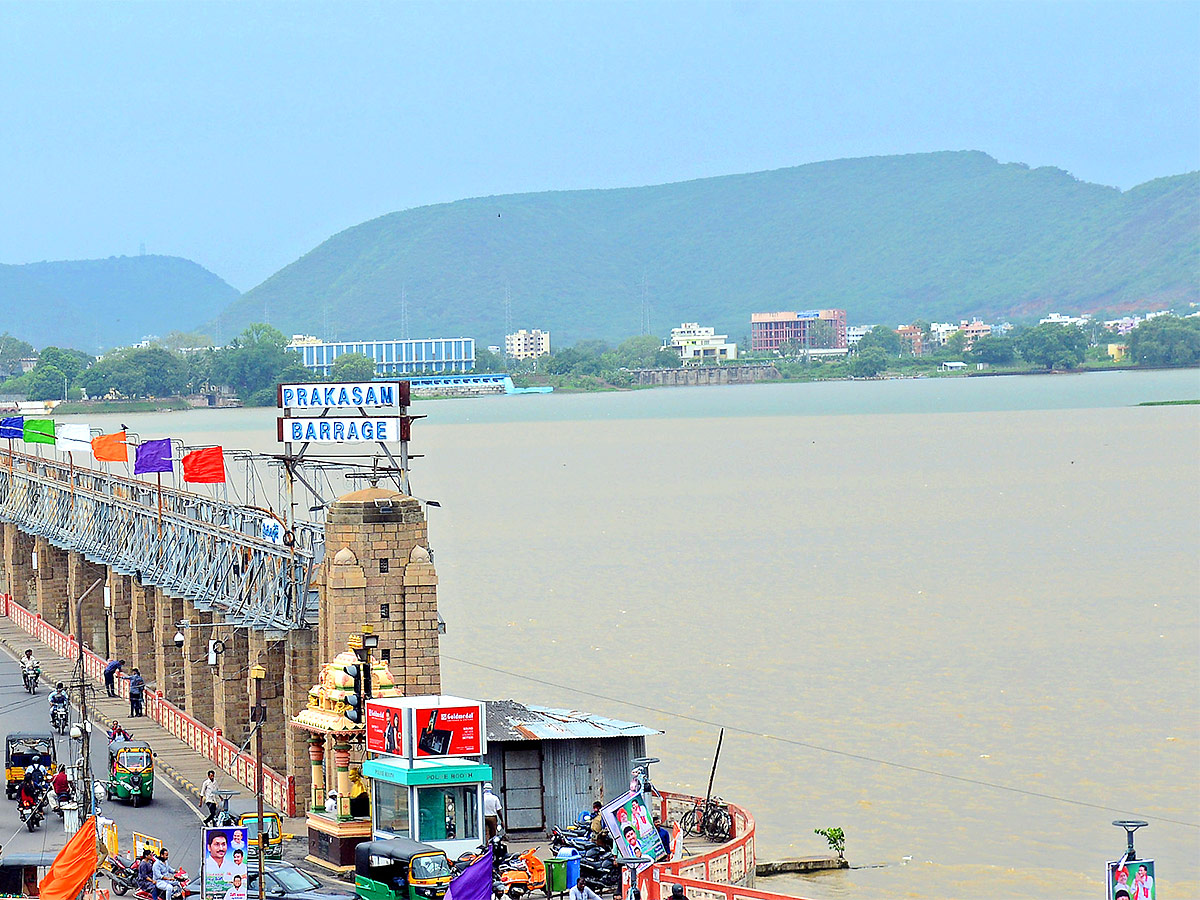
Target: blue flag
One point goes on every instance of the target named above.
(475, 882)
(12, 427)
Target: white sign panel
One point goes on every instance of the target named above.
(271, 530)
(340, 431)
(345, 395)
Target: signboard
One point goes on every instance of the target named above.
(343, 395)
(144, 842)
(431, 727)
(631, 825)
(448, 731)
(271, 530)
(359, 430)
(1131, 880)
(223, 870)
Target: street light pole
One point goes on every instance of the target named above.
(258, 673)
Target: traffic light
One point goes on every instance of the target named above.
(355, 713)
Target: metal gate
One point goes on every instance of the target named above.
(523, 788)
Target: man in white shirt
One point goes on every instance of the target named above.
(491, 811)
(209, 797)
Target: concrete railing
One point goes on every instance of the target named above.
(278, 790)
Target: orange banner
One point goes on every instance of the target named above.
(73, 866)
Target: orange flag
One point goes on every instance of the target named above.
(73, 866)
(111, 447)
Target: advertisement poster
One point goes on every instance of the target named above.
(223, 871)
(385, 727)
(448, 731)
(631, 824)
(1131, 880)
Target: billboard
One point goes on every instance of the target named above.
(223, 870)
(312, 430)
(631, 825)
(343, 395)
(431, 727)
(1131, 880)
(385, 727)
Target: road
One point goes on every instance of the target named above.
(169, 817)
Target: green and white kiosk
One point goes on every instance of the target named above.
(426, 778)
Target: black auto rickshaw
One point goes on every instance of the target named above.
(130, 771)
(21, 750)
(400, 869)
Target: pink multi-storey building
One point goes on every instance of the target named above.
(769, 331)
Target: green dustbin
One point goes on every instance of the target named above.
(556, 876)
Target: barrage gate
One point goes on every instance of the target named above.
(120, 563)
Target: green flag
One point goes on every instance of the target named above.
(39, 431)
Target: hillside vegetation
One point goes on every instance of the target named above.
(101, 303)
(939, 236)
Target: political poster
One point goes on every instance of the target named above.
(223, 870)
(630, 822)
(1131, 880)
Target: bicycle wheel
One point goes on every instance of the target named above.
(687, 823)
(718, 824)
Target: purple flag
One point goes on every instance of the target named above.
(153, 456)
(475, 882)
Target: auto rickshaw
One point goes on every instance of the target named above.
(400, 869)
(130, 771)
(21, 750)
(272, 828)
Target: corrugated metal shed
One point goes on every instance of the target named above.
(508, 720)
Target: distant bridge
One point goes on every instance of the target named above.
(210, 552)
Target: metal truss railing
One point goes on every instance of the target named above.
(205, 550)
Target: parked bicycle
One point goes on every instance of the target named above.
(710, 819)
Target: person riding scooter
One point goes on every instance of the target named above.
(117, 733)
(59, 699)
(30, 665)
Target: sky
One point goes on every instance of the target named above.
(242, 135)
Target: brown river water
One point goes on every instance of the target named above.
(958, 619)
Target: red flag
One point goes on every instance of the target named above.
(73, 866)
(205, 466)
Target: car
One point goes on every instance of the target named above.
(284, 882)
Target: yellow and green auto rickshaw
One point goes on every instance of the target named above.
(272, 828)
(130, 772)
(400, 869)
(21, 750)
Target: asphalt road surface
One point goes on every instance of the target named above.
(169, 817)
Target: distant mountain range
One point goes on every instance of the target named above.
(937, 236)
(101, 303)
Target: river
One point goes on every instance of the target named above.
(958, 618)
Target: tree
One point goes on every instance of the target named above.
(882, 337)
(68, 362)
(1166, 341)
(956, 344)
(185, 340)
(836, 838)
(353, 367)
(252, 362)
(868, 363)
(12, 351)
(1053, 346)
(640, 352)
(487, 361)
(995, 349)
(47, 383)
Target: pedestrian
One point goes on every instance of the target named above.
(111, 670)
(209, 797)
(491, 811)
(664, 835)
(677, 892)
(582, 890)
(164, 878)
(137, 684)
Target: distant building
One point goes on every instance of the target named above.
(390, 357)
(1116, 352)
(527, 344)
(855, 333)
(912, 341)
(811, 328)
(1059, 319)
(974, 330)
(940, 332)
(696, 345)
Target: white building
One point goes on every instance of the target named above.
(855, 333)
(700, 345)
(527, 344)
(390, 357)
(1059, 319)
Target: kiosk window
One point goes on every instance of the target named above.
(448, 813)
(391, 808)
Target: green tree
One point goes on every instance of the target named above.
(995, 349)
(883, 338)
(1166, 341)
(353, 367)
(251, 364)
(1053, 346)
(640, 352)
(486, 361)
(956, 344)
(12, 351)
(868, 363)
(47, 383)
(836, 838)
(68, 362)
(181, 340)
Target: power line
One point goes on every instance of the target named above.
(862, 757)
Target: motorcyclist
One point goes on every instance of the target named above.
(164, 877)
(29, 664)
(30, 792)
(117, 732)
(59, 697)
(145, 874)
(62, 785)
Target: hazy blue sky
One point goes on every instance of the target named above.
(242, 135)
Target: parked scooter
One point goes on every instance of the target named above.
(599, 867)
(525, 875)
(568, 837)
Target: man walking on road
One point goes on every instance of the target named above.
(209, 797)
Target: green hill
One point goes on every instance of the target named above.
(939, 236)
(101, 303)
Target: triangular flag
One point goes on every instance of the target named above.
(39, 431)
(73, 437)
(205, 466)
(12, 427)
(153, 456)
(74, 865)
(108, 447)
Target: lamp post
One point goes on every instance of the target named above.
(258, 673)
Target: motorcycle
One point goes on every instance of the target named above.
(123, 876)
(569, 837)
(58, 718)
(30, 677)
(33, 813)
(599, 867)
(525, 874)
